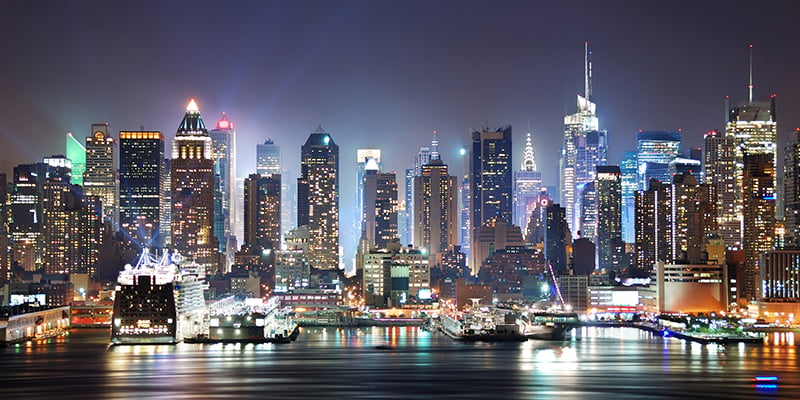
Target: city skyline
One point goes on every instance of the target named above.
(534, 81)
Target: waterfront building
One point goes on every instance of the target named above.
(100, 178)
(780, 275)
(379, 221)
(394, 274)
(223, 141)
(141, 155)
(491, 187)
(507, 269)
(527, 186)
(758, 235)
(76, 153)
(720, 173)
(609, 213)
(192, 192)
(318, 198)
(654, 152)
(262, 212)
(689, 288)
(574, 290)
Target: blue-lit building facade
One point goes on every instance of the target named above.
(141, 155)
(654, 151)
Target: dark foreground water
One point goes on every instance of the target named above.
(402, 363)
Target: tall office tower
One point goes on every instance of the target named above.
(71, 228)
(586, 211)
(165, 228)
(192, 191)
(435, 207)
(791, 190)
(591, 151)
(576, 127)
(100, 177)
(239, 217)
(693, 217)
(262, 211)
(653, 224)
(491, 186)
(379, 219)
(268, 162)
(268, 158)
(318, 198)
(25, 214)
(719, 161)
(76, 153)
(629, 176)
(141, 155)
(465, 226)
(405, 219)
(609, 213)
(223, 139)
(654, 151)
(423, 157)
(753, 126)
(5, 259)
(758, 180)
(556, 237)
(527, 187)
(367, 161)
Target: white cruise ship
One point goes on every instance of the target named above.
(159, 301)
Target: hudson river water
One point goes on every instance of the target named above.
(401, 363)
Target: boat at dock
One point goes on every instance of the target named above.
(480, 325)
(548, 325)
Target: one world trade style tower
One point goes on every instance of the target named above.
(585, 147)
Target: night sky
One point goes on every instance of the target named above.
(386, 74)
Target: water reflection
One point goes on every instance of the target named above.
(403, 362)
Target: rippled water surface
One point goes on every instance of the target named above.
(405, 363)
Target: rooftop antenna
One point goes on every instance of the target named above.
(587, 59)
(435, 148)
(750, 86)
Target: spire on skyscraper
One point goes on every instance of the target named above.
(528, 162)
(587, 72)
(750, 85)
(435, 148)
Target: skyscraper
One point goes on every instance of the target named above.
(753, 126)
(223, 139)
(654, 151)
(791, 189)
(192, 191)
(423, 157)
(556, 237)
(26, 214)
(379, 217)
(591, 151)
(318, 198)
(141, 156)
(609, 213)
(268, 158)
(76, 153)
(758, 180)
(720, 173)
(435, 207)
(653, 224)
(693, 217)
(367, 161)
(100, 177)
(490, 179)
(576, 128)
(629, 182)
(527, 187)
(262, 211)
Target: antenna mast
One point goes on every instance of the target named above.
(750, 86)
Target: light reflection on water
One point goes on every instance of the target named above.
(401, 362)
